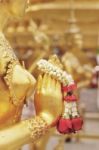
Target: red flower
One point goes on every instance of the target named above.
(69, 88)
(64, 126)
(70, 98)
(77, 123)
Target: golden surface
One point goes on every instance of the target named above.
(38, 127)
(57, 17)
(45, 100)
(16, 84)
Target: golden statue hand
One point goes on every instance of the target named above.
(48, 103)
(48, 99)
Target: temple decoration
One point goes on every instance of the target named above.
(73, 30)
(70, 121)
(16, 84)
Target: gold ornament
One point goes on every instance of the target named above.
(8, 80)
(10, 61)
(37, 127)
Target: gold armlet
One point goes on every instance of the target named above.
(37, 127)
(8, 80)
(6, 54)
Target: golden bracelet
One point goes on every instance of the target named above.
(37, 127)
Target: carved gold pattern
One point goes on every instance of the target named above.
(37, 127)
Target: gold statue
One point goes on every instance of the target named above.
(76, 62)
(16, 84)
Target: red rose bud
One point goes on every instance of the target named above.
(69, 88)
(70, 98)
(64, 126)
(77, 123)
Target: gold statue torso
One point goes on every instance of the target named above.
(75, 65)
(17, 87)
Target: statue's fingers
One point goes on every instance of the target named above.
(53, 84)
(39, 84)
(58, 89)
(57, 86)
(48, 82)
(44, 81)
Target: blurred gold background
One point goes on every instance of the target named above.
(68, 28)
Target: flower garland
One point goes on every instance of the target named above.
(70, 121)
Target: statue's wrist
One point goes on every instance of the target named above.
(37, 127)
(50, 118)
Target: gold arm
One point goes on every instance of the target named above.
(23, 133)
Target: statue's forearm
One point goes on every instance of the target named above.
(23, 133)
